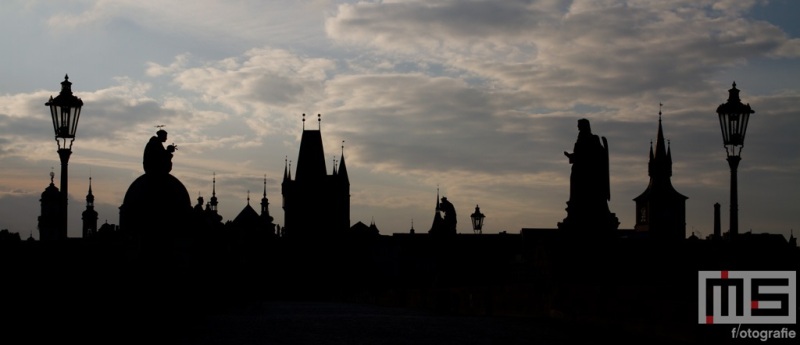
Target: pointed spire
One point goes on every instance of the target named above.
(265, 186)
(436, 227)
(304, 121)
(286, 168)
(90, 196)
(669, 152)
(319, 121)
(437, 198)
(264, 200)
(660, 147)
(659, 110)
(213, 201)
(660, 159)
(342, 171)
(248, 197)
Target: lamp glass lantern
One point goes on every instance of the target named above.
(65, 111)
(477, 220)
(733, 119)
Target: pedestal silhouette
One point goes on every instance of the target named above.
(156, 214)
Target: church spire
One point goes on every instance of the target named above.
(660, 164)
(342, 171)
(437, 199)
(264, 200)
(90, 196)
(213, 201)
(286, 173)
(89, 216)
(660, 209)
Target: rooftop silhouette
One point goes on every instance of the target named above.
(179, 266)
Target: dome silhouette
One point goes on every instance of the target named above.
(155, 205)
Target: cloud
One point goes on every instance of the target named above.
(224, 21)
(553, 52)
(478, 97)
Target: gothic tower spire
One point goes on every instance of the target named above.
(213, 203)
(660, 165)
(89, 216)
(264, 200)
(342, 171)
(660, 209)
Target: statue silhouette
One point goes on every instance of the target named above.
(589, 190)
(449, 215)
(156, 212)
(157, 159)
(589, 158)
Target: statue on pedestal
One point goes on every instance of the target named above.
(157, 159)
(589, 190)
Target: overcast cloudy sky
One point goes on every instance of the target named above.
(478, 97)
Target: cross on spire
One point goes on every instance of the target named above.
(659, 110)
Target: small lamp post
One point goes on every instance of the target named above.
(477, 220)
(733, 118)
(65, 110)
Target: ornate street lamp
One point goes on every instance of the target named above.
(477, 220)
(733, 118)
(65, 111)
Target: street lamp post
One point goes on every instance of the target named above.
(733, 118)
(477, 220)
(65, 110)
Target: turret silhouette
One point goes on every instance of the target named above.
(89, 216)
(315, 204)
(51, 212)
(660, 209)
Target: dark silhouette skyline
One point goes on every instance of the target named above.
(684, 82)
(477, 97)
(167, 255)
